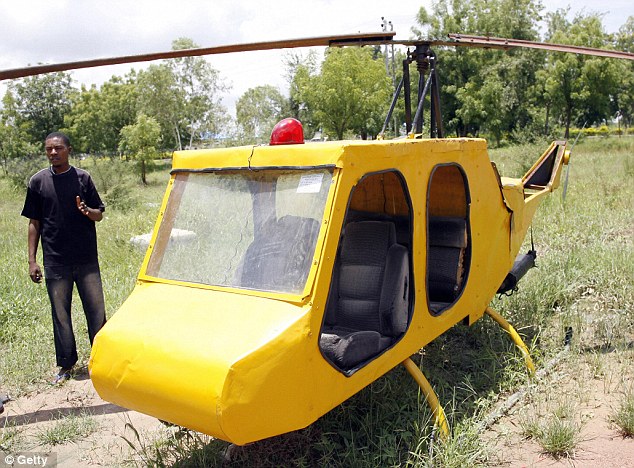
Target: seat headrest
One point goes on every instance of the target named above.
(447, 232)
(367, 241)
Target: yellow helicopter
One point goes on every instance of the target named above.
(309, 270)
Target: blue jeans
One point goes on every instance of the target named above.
(59, 284)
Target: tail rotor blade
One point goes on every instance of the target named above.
(563, 193)
(565, 190)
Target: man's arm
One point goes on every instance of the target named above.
(35, 272)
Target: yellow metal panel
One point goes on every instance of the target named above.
(309, 154)
(513, 191)
(168, 350)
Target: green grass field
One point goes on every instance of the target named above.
(584, 280)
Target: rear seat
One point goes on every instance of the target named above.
(446, 260)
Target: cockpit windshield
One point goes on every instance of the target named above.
(242, 228)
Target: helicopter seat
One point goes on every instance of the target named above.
(368, 304)
(280, 258)
(447, 239)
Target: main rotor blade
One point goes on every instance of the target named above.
(501, 43)
(341, 40)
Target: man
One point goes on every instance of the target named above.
(62, 205)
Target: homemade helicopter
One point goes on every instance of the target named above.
(313, 269)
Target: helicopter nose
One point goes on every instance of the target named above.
(177, 359)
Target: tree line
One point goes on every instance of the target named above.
(517, 95)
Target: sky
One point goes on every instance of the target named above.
(43, 31)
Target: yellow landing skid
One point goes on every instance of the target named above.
(440, 420)
(515, 337)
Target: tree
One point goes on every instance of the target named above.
(16, 152)
(200, 85)
(299, 69)
(141, 140)
(183, 96)
(258, 110)
(13, 139)
(624, 98)
(351, 93)
(41, 102)
(84, 123)
(98, 115)
(581, 87)
(484, 89)
(159, 97)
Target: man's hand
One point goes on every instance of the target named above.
(81, 206)
(92, 213)
(35, 272)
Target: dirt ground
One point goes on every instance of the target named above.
(591, 393)
(106, 446)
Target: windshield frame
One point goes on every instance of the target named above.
(165, 218)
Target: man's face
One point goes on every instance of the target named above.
(57, 153)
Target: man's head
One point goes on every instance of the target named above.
(58, 148)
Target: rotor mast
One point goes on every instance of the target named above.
(428, 83)
(425, 60)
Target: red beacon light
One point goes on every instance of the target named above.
(287, 132)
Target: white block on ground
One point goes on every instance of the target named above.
(178, 235)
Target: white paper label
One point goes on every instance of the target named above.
(310, 183)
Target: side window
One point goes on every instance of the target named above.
(448, 238)
(371, 292)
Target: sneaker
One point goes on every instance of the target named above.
(3, 399)
(62, 376)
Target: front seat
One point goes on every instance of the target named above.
(280, 258)
(368, 304)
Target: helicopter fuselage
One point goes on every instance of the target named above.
(231, 332)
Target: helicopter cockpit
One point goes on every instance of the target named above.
(257, 230)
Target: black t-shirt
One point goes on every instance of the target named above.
(68, 236)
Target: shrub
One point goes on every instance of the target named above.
(120, 197)
(19, 171)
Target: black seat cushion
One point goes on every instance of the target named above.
(346, 348)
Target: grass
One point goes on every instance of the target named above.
(583, 280)
(557, 430)
(558, 436)
(67, 429)
(12, 438)
(462, 448)
(623, 416)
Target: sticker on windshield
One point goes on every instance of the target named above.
(310, 183)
